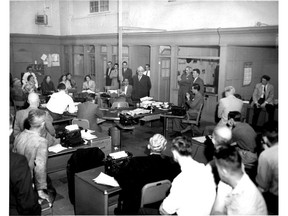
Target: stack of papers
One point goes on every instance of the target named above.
(105, 179)
(89, 91)
(200, 139)
(72, 127)
(86, 134)
(145, 98)
(56, 148)
(117, 155)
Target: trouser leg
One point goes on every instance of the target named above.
(270, 110)
(255, 115)
(177, 125)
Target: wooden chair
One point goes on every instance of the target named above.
(193, 123)
(154, 192)
(119, 104)
(84, 123)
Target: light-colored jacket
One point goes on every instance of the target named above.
(226, 105)
(269, 95)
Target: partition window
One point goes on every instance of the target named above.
(99, 6)
(78, 60)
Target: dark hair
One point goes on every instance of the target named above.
(228, 157)
(60, 79)
(87, 76)
(197, 70)
(29, 66)
(61, 86)
(116, 64)
(68, 74)
(148, 65)
(182, 145)
(270, 130)
(109, 62)
(196, 86)
(29, 77)
(90, 97)
(234, 115)
(36, 117)
(45, 78)
(266, 77)
(238, 96)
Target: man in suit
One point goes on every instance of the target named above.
(90, 111)
(126, 90)
(141, 85)
(227, 104)
(108, 71)
(198, 80)
(142, 170)
(126, 72)
(194, 106)
(263, 97)
(147, 71)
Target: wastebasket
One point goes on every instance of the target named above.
(114, 132)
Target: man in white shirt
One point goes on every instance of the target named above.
(236, 194)
(60, 102)
(193, 191)
(26, 74)
(147, 71)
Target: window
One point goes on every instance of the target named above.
(78, 60)
(99, 6)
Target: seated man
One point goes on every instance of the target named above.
(236, 194)
(193, 191)
(35, 148)
(23, 199)
(126, 90)
(20, 124)
(90, 111)
(244, 137)
(194, 106)
(143, 170)
(60, 102)
(227, 104)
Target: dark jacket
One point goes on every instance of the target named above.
(127, 75)
(140, 88)
(140, 171)
(23, 199)
(47, 88)
(108, 79)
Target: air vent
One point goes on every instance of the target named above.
(41, 19)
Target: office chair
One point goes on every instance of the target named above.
(119, 104)
(154, 192)
(83, 123)
(192, 123)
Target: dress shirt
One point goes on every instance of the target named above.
(35, 149)
(147, 73)
(244, 199)
(25, 76)
(60, 102)
(192, 192)
(89, 85)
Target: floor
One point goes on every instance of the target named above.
(135, 143)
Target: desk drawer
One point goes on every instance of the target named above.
(103, 143)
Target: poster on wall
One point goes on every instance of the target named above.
(55, 60)
(247, 77)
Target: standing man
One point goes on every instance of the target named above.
(185, 80)
(108, 71)
(236, 194)
(227, 104)
(26, 74)
(147, 71)
(126, 73)
(141, 85)
(263, 97)
(198, 80)
(193, 191)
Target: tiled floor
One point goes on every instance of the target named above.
(135, 143)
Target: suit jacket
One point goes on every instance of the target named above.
(140, 88)
(90, 112)
(200, 82)
(194, 105)
(129, 90)
(91, 85)
(227, 104)
(140, 171)
(184, 86)
(127, 75)
(23, 199)
(269, 95)
(108, 79)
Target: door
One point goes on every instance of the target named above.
(165, 71)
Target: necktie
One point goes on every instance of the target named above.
(264, 92)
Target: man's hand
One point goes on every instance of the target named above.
(263, 105)
(44, 196)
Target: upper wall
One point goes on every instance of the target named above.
(72, 17)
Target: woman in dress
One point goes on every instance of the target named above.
(88, 84)
(71, 81)
(47, 86)
(30, 85)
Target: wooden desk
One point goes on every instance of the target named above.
(92, 198)
(58, 161)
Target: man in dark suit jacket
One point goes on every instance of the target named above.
(108, 71)
(198, 80)
(141, 85)
(126, 72)
(144, 170)
(194, 106)
(263, 96)
(126, 90)
(90, 111)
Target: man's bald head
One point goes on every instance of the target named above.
(222, 135)
(33, 99)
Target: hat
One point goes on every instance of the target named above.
(157, 143)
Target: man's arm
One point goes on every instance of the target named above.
(263, 177)
(17, 127)
(219, 203)
(220, 108)
(24, 78)
(41, 164)
(71, 106)
(48, 124)
(271, 95)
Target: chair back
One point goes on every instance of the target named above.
(154, 192)
(84, 123)
(198, 118)
(120, 104)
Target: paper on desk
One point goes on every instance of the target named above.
(200, 139)
(117, 155)
(105, 179)
(146, 98)
(72, 127)
(87, 135)
(56, 148)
